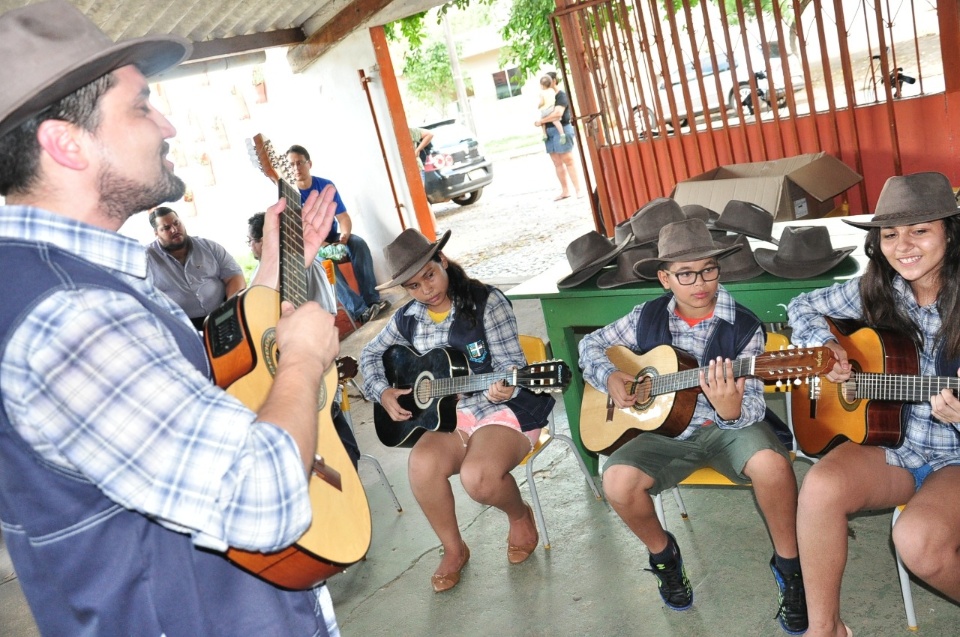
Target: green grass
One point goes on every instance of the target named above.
(511, 143)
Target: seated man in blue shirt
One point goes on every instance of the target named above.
(365, 306)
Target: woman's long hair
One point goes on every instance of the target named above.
(463, 290)
(880, 308)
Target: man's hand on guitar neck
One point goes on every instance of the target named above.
(317, 213)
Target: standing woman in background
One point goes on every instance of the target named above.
(560, 149)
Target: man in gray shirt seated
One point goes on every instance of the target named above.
(197, 274)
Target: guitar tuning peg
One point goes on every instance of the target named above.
(797, 381)
(779, 384)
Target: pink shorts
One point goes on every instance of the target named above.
(467, 424)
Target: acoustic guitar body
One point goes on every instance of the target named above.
(340, 533)
(604, 428)
(825, 416)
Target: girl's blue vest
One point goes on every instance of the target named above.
(90, 567)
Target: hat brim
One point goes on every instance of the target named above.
(902, 219)
(718, 253)
(150, 54)
(579, 276)
(407, 273)
(751, 271)
(719, 225)
(767, 259)
(618, 277)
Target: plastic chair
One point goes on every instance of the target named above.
(905, 590)
(535, 350)
(710, 477)
(365, 457)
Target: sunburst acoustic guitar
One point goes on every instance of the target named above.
(240, 339)
(667, 381)
(870, 407)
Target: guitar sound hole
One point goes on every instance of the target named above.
(642, 392)
(423, 390)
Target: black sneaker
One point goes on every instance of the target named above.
(675, 589)
(369, 314)
(383, 305)
(792, 612)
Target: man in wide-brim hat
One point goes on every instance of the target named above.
(726, 428)
(127, 472)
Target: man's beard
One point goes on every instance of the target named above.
(121, 198)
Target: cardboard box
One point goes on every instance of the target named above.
(801, 187)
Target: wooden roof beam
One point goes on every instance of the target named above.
(348, 20)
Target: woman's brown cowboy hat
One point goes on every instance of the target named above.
(50, 49)
(744, 217)
(407, 254)
(687, 240)
(911, 199)
(804, 252)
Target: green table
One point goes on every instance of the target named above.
(569, 314)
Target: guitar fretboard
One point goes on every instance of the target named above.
(293, 275)
(902, 388)
(677, 381)
(467, 384)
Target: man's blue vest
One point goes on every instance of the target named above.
(89, 566)
(531, 410)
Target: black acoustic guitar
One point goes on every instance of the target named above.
(437, 378)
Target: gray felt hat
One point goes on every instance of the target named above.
(740, 265)
(687, 240)
(408, 253)
(587, 254)
(911, 199)
(804, 252)
(647, 222)
(744, 217)
(624, 273)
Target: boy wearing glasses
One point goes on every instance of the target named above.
(726, 432)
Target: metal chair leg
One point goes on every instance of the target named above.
(383, 479)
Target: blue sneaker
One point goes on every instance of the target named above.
(675, 589)
(792, 611)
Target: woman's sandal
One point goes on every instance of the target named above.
(445, 582)
(519, 554)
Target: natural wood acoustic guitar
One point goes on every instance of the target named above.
(240, 338)
(870, 407)
(666, 381)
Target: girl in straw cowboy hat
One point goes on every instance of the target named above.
(495, 428)
(727, 430)
(910, 287)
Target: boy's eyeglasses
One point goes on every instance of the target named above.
(689, 277)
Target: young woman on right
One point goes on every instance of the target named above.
(910, 287)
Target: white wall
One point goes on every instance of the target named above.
(323, 109)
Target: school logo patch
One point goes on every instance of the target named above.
(477, 352)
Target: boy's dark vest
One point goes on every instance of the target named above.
(727, 341)
(88, 566)
(531, 410)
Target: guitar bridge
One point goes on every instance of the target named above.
(327, 474)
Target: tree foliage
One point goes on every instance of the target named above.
(429, 77)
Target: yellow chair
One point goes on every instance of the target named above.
(331, 270)
(707, 477)
(535, 350)
(905, 590)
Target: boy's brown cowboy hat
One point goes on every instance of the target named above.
(740, 265)
(407, 254)
(804, 252)
(687, 240)
(587, 254)
(646, 222)
(911, 199)
(50, 49)
(744, 217)
(624, 274)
